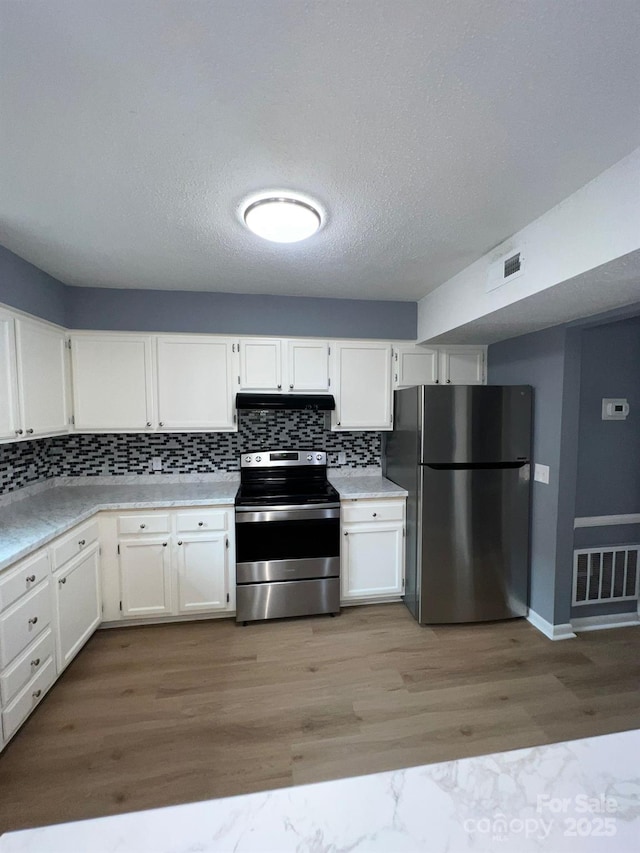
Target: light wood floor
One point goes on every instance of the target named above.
(159, 715)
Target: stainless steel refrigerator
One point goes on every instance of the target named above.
(463, 454)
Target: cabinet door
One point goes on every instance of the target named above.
(195, 388)
(462, 366)
(363, 386)
(42, 378)
(77, 592)
(414, 366)
(112, 382)
(9, 413)
(145, 577)
(372, 563)
(307, 366)
(202, 573)
(260, 364)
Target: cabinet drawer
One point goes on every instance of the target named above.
(24, 703)
(149, 523)
(73, 543)
(30, 663)
(189, 522)
(22, 623)
(20, 580)
(370, 511)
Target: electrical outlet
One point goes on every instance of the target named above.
(541, 473)
(342, 458)
(156, 463)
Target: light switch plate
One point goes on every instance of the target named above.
(541, 473)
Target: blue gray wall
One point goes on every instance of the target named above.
(539, 360)
(609, 451)
(26, 287)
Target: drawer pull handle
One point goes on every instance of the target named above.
(375, 514)
(33, 620)
(82, 542)
(37, 694)
(35, 662)
(31, 578)
(62, 580)
(142, 526)
(201, 524)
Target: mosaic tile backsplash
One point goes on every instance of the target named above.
(182, 453)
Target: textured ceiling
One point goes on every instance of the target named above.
(430, 131)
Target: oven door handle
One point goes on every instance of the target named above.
(287, 515)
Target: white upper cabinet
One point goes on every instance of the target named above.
(462, 366)
(362, 373)
(195, 383)
(414, 365)
(112, 382)
(41, 354)
(9, 411)
(260, 364)
(307, 366)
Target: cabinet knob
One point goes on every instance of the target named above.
(161, 423)
(18, 432)
(35, 662)
(448, 382)
(31, 578)
(164, 544)
(279, 387)
(33, 620)
(29, 432)
(142, 526)
(337, 423)
(180, 542)
(62, 580)
(201, 524)
(148, 423)
(37, 694)
(82, 542)
(437, 382)
(375, 514)
(291, 387)
(346, 533)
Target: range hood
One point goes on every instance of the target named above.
(290, 402)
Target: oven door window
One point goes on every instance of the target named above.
(287, 540)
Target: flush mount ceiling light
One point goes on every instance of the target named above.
(282, 218)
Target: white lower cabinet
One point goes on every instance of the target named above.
(169, 563)
(145, 572)
(78, 605)
(372, 559)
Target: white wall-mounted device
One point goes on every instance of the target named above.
(614, 409)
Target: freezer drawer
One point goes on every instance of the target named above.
(473, 544)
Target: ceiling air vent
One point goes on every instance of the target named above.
(505, 267)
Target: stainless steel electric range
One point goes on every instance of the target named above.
(287, 536)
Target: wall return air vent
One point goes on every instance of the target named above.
(506, 267)
(605, 574)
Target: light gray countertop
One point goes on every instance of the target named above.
(29, 523)
(575, 797)
(366, 486)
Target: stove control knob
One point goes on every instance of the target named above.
(258, 458)
(319, 457)
(247, 459)
(309, 458)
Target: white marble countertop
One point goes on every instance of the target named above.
(352, 486)
(581, 796)
(30, 523)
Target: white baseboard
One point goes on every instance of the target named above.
(606, 520)
(553, 632)
(600, 623)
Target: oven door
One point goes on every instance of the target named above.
(292, 544)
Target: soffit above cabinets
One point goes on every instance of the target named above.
(430, 132)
